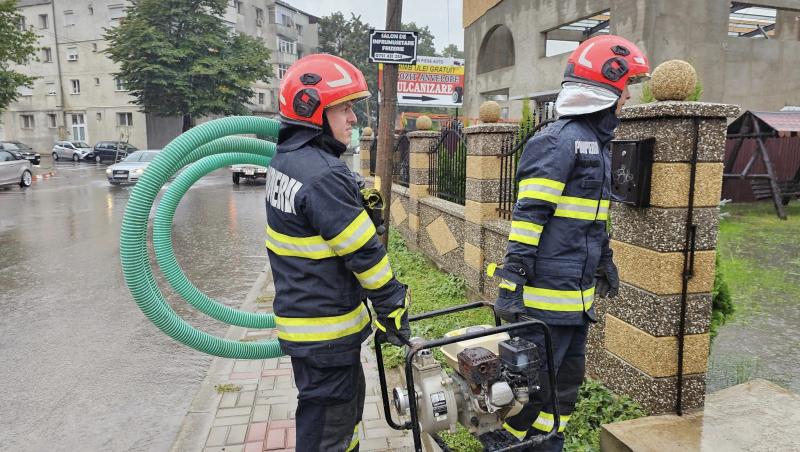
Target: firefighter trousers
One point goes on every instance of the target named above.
(569, 358)
(330, 405)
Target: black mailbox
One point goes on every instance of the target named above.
(631, 167)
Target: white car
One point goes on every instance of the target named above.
(14, 170)
(71, 150)
(129, 170)
(251, 172)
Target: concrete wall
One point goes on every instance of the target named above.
(757, 74)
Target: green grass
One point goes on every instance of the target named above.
(432, 289)
(758, 256)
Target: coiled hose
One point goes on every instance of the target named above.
(206, 147)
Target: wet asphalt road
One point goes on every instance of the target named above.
(82, 368)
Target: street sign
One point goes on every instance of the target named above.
(431, 82)
(393, 47)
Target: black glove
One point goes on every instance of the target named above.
(510, 303)
(607, 285)
(394, 325)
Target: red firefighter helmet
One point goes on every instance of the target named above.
(609, 61)
(316, 82)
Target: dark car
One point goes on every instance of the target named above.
(21, 151)
(111, 151)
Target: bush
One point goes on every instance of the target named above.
(722, 302)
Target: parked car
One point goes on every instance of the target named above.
(74, 150)
(21, 150)
(113, 151)
(14, 170)
(251, 172)
(129, 170)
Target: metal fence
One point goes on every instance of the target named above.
(373, 156)
(448, 164)
(509, 159)
(400, 160)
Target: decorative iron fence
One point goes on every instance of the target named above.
(400, 160)
(448, 164)
(509, 159)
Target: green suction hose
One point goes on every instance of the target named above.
(165, 254)
(200, 142)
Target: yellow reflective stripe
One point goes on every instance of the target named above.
(540, 188)
(525, 232)
(508, 285)
(545, 422)
(377, 275)
(490, 269)
(313, 247)
(519, 434)
(354, 440)
(305, 329)
(558, 300)
(354, 236)
(582, 208)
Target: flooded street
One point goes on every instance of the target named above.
(83, 369)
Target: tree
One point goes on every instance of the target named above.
(179, 59)
(453, 51)
(425, 45)
(17, 46)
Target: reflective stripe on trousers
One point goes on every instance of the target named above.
(314, 329)
(545, 422)
(558, 300)
(354, 441)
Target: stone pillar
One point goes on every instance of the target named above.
(366, 144)
(484, 145)
(634, 348)
(420, 143)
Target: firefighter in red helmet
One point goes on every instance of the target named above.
(325, 254)
(558, 257)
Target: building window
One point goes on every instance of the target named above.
(124, 119)
(76, 86)
(91, 10)
(116, 13)
(43, 22)
(566, 37)
(286, 46)
(286, 20)
(94, 47)
(27, 121)
(97, 81)
(69, 18)
(21, 23)
(260, 98)
(72, 54)
(120, 84)
(299, 29)
(51, 120)
(51, 88)
(47, 55)
(259, 17)
(25, 91)
(757, 22)
(238, 5)
(282, 68)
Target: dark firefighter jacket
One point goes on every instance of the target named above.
(323, 250)
(558, 228)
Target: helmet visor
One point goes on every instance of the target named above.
(638, 78)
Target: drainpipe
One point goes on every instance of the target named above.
(58, 68)
(688, 262)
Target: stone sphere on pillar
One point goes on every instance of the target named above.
(489, 112)
(424, 122)
(366, 132)
(673, 80)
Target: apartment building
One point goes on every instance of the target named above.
(76, 95)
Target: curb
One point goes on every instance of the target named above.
(197, 422)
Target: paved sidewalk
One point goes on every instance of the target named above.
(260, 416)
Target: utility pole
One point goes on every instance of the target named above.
(387, 112)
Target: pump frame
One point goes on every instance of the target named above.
(413, 348)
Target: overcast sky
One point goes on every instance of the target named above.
(436, 14)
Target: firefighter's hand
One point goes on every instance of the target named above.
(510, 305)
(607, 285)
(394, 326)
